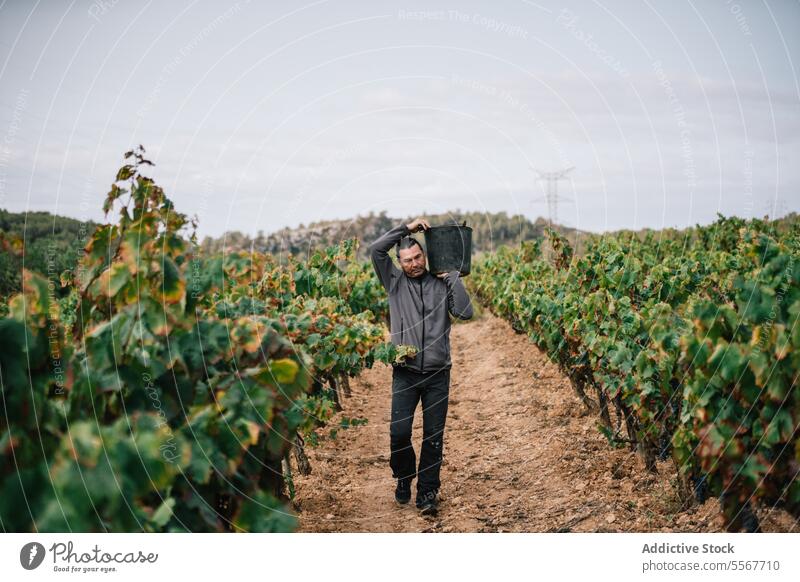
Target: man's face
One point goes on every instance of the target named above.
(412, 261)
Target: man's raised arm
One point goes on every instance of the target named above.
(458, 302)
(379, 253)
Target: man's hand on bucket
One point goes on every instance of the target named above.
(418, 224)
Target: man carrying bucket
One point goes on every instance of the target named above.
(420, 305)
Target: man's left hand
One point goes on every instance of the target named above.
(442, 275)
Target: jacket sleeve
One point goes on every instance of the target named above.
(458, 301)
(379, 253)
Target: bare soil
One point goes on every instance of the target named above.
(520, 455)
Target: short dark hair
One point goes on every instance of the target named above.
(407, 242)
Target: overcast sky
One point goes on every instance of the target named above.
(260, 117)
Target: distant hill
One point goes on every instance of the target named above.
(52, 244)
(489, 231)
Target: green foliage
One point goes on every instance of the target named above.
(157, 389)
(743, 361)
(691, 338)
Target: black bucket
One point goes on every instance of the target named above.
(449, 248)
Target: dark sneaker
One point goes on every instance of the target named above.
(402, 493)
(428, 503)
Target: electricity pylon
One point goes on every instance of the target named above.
(551, 191)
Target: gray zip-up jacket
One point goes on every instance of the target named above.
(419, 307)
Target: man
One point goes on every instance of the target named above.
(419, 308)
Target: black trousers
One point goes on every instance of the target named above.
(408, 388)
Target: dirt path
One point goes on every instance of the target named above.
(519, 455)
